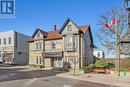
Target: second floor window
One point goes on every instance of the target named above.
(0, 41)
(36, 46)
(4, 41)
(53, 44)
(9, 42)
(40, 46)
(0, 53)
(74, 41)
(70, 42)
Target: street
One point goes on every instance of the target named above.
(18, 76)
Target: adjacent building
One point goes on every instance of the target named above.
(68, 47)
(37, 47)
(77, 44)
(99, 54)
(13, 47)
(53, 49)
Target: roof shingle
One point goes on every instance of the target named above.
(84, 28)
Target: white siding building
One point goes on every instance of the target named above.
(13, 47)
(99, 54)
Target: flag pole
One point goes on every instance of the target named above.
(116, 56)
(117, 59)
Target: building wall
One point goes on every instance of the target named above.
(49, 48)
(36, 55)
(74, 29)
(72, 56)
(6, 35)
(87, 49)
(17, 50)
(99, 54)
(21, 49)
(83, 52)
(58, 45)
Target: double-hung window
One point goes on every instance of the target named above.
(40, 45)
(70, 42)
(4, 39)
(0, 41)
(9, 40)
(53, 44)
(36, 46)
(0, 53)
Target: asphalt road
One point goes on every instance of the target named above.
(17, 76)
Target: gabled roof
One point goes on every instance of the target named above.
(47, 35)
(83, 28)
(42, 32)
(66, 22)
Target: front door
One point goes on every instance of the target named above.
(57, 62)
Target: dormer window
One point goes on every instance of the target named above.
(69, 27)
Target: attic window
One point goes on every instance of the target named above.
(69, 27)
(38, 35)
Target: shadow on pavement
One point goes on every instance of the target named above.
(20, 73)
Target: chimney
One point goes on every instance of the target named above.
(54, 28)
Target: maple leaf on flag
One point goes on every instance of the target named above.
(112, 22)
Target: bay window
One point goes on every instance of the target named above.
(70, 42)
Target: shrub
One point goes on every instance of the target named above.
(91, 67)
(88, 68)
(101, 63)
(111, 65)
(84, 68)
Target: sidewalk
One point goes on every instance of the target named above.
(99, 78)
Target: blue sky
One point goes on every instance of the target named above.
(32, 14)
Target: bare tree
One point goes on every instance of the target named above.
(110, 37)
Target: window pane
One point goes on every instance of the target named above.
(53, 44)
(4, 41)
(9, 40)
(98, 54)
(69, 27)
(40, 46)
(0, 53)
(0, 41)
(36, 46)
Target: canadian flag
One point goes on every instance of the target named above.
(112, 22)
